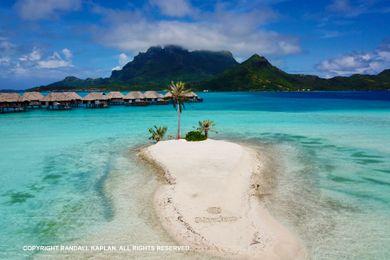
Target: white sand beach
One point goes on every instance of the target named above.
(210, 202)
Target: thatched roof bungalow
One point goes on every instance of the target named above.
(96, 100)
(73, 96)
(152, 95)
(190, 96)
(11, 98)
(34, 96)
(134, 95)
(135, 98)
(56, 97)
(59, 100)
(11, 102)
(115, 95)
(93, 96)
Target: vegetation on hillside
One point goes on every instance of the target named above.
(214, 71)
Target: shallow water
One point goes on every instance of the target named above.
(332, 167)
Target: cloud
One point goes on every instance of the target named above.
(67, 53)
(55, 61)
(4, 60)
(35, 55)
(355, 8)
(239, 30)
(174, 8)
(359, 62)
(123, 59)
(7, 49)
(44, 9)
(5, 45)
(35, 63)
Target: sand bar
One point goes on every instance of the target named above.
(210, 202)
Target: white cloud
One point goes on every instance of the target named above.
(6, 51)
(44, 9)
(174, 8)
(362, 63)
(5, 45)
(35, 55)
(4, 60)
(55, 61)
(67, 53)
(36, 64)
(123, 59)
(224, 29)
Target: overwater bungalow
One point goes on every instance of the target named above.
(191, 97)
(135, 98)
(74, 99)
(57, 101)
(96, 100)
(151, 96)
(11, 102)
(115, 97)
(33, 99)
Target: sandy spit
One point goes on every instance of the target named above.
(210, 201)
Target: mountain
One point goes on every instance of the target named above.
(155, 69)
(215, 71)
(74, 82)
(160, 66)
(257, 73)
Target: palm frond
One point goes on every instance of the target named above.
(157, 133)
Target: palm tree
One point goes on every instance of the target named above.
(205, 126)
(158, 133)
(178, 92)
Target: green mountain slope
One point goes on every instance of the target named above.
(161, 65)
(216, 71)
(155, 69)
(257, 73)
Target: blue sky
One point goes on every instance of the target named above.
(42, 41)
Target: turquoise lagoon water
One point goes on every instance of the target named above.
(329, 154)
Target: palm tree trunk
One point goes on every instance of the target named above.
(206, 133)
(178, 121)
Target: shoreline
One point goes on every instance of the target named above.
(214, 209)
(134, 222)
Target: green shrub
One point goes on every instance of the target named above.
(195, 136)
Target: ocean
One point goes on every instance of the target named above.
(329, 155)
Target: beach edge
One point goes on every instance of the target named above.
(283, 245)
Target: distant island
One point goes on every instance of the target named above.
(213, 71)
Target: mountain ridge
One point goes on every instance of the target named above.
(215, 71)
